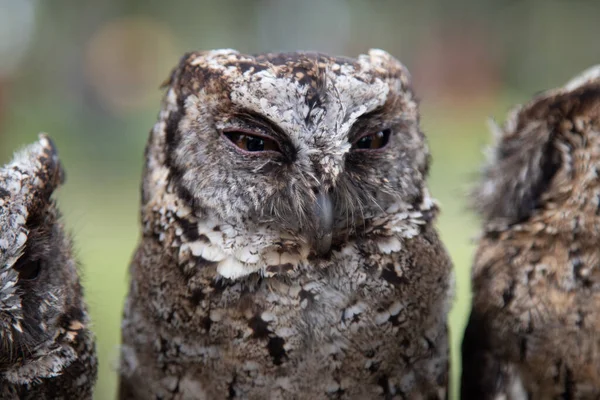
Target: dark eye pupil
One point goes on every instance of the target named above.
(29, 270)
(365, 143)
(254, 143)
(374, 141)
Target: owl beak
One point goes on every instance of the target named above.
(324, 223)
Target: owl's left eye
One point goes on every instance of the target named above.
(28, 269)
(252, 143)
(373, 141)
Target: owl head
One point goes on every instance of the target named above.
(282, 151)
(40, 296)
(546, 153)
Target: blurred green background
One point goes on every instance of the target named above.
(88, 72)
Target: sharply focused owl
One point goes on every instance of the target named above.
(288, 247)
(46, 348)
(534, 330)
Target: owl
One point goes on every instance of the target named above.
(46, 348)
(534, 327)
(288, 244)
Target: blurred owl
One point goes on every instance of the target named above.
(46, 348)
(534, 330)
(288, 247)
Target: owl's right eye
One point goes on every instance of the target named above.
(29, 270)
(251, 142)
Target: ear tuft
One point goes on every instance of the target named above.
(590, 75)
(50, 161)
(32, 176)
(380, 57)
(171, 79)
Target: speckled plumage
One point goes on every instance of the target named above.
(239, 289)
(535, 322)
(46, 348)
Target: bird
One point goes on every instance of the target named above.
(47, 350)
(288, 246)
(535, 316)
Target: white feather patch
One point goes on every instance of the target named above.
(389, 245)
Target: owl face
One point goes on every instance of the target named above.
(305, 145)
(545, 153)
(39, 287)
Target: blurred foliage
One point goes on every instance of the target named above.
(88, 73)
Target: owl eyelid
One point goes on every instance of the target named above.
(254, 134)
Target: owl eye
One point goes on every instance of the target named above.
(252, 143)
(373, 141)
(29, 270)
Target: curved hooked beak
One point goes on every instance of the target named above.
(323, 223)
